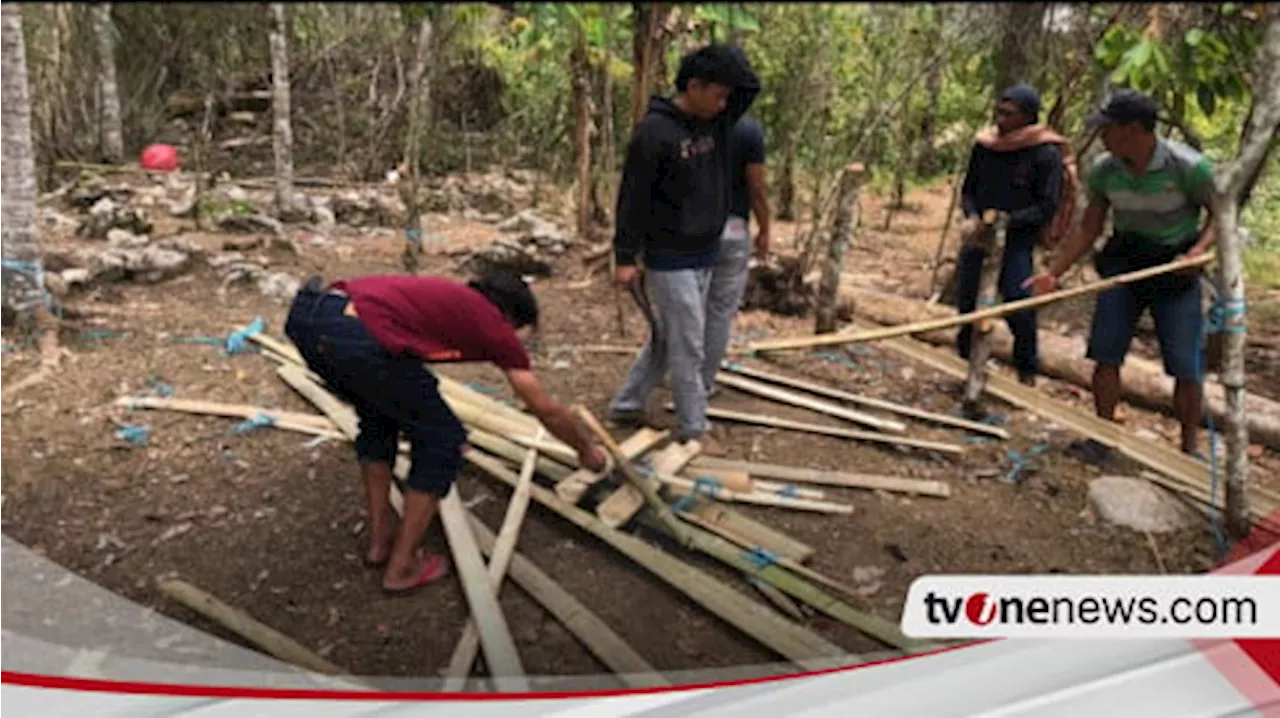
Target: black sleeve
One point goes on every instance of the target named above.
(969, 190)
(753, 144)
(744, 93)
(1048, 185)
(640, 170)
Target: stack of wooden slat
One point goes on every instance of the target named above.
(670, 488)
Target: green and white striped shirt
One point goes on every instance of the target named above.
(1162, 206)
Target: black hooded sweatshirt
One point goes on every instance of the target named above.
(673, 199)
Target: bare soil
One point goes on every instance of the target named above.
(275, 526)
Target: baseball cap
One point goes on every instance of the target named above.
(1123, 106)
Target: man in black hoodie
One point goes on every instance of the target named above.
(673, 202)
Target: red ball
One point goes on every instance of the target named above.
(160, 158)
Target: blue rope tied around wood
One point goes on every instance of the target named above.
(761, 557)
(701, 485)
(257, 421)
(1221, 312)
(34, 272)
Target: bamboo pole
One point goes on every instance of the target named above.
(586, 626)
(780, 423)
(620, 459)
(247, 627)
(468, 646)
(918, 487)
(784, 396)
(815, 388)
(997, 311)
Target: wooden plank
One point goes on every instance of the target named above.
(779, 599)
(618, 507)
(784, 396)
(495, 637)
(252, 630)
(468, 646)
(1185, 474)
(793, 642)
(997, 311)
(840, 432)
(587, 627)
(918, 487)
(869, 401)
(576, 485)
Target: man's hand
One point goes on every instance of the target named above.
(558, 419)
(1041, 283)
(595, 460)
(626, 275)
(762, 246)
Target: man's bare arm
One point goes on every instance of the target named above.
(1086, 234)
(758, 189)
(556, 417)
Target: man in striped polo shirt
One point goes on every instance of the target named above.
(1157, 191)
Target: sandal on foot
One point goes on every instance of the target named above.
(433, 568)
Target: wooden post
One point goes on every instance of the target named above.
(841, 236)
(992, 242)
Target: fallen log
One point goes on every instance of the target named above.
(1144, 381)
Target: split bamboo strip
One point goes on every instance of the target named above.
(918, 487)
(783, 561)
(779, 599)
(586, 626)
(793, 642)
(247, 627)
(780, 423)
(288, 420)
(822, 407)
(782, 502)
(815, 388)
(999, 310)
(468, 646)
(797, 587)
(500, 652)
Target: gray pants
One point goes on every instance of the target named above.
(679, 300)
(728, 282)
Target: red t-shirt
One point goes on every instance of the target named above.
(435, 319)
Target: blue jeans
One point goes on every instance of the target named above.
(390, 394)
(1174, 302)
(1018, 266)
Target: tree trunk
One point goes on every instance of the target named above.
(927, 160)
(419, 95)
(112, 133)
(647, 52)
(1021, 23)
(1143, 381)
(787, 184)
(282, 127)
(580, 72)
(23, 290)
(1232, 182)
(841, 236)
(608, 153)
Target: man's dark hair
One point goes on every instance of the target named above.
(510, 294)
(712, 63)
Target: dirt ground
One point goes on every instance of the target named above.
(272, 524)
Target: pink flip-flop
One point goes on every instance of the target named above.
(433, 568)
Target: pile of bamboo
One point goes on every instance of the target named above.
(664, 485)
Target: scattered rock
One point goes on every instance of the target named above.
(53, 221)
(118, 237)
(241, 244)
(250, 224)
(106, 214)
(147, 265)
(1138, 504)
(367, 208)
(506, 254)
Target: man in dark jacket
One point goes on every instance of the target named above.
(1016, 168)
(368, 338)
(673, 202)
